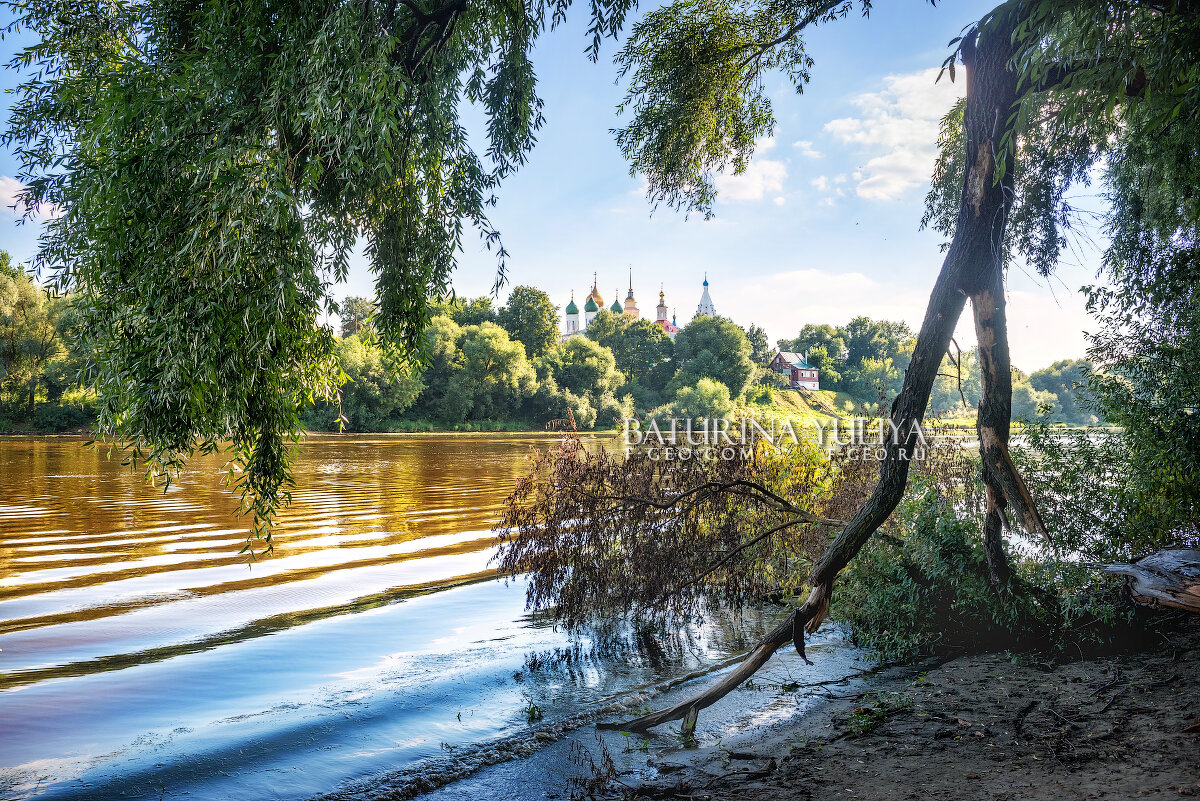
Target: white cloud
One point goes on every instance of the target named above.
(821, 183)
(10, 189)
(779, 201)
(761, 178)
(898, 130)
(806, 149)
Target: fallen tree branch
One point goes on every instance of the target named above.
(1166, 578)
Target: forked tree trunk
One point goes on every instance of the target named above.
(972, 265)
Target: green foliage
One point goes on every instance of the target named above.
(760, 346)
(583, 366)
(355, 314)
(531, 318)
(958, 385)
(470, 311)
(712, 347)
(865, 358)
(827, 366)
(1111, 496)
(925, 588)
(873, 379)
(488, 377)
(35, 362)
(708, 399)
(643, 398)
(1028, 403)
(214, 166)
(1066, 381)
(697, 92)
(875, 339)
(377, 389)
(642, 349)
(811, 336)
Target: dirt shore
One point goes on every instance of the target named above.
(980, 727)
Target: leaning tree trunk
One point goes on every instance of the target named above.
(972, 264)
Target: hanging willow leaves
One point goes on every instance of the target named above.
(213, 166)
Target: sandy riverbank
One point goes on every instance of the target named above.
(981, 727)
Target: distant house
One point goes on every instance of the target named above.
(796, 369)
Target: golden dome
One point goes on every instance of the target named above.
(595, 295)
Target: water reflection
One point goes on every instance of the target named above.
(140, 656)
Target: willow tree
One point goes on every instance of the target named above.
(1050, 87)
(213, 165)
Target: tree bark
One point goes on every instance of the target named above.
(995, 404)
(974, 259)
(1166, 578)
(992, 421)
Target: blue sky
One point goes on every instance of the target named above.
(821, 228)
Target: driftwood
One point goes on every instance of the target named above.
(1166, 578)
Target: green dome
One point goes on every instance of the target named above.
(590, 306)
(616, 308)
(572, 308)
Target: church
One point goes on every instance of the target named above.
(575, 324)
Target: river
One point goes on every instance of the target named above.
(142, 657)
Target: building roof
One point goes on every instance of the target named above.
(796, 360)
(616, 307)
(595, 295)
(590, 306)
(571, 307)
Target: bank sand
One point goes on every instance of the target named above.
(978, 727)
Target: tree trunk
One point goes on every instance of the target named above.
(995, 404)
(992, 421)
(972, 262)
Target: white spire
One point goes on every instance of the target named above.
(706, 308)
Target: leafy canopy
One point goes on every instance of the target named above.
(214, 165)
(531, 318)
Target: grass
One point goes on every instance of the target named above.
(876, 708)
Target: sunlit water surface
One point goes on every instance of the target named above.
(142, 657)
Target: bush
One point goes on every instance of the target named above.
(56, 417)
(709, 399)
(925, 590)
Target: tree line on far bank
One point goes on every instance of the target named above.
(491, 366)
(867, 358)
(496, 366)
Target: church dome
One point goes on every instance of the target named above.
(571, 307)
(590, 306)
(594, 296)
(616, 307)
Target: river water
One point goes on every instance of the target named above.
(142, 657)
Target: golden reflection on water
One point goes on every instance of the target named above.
(99, 571)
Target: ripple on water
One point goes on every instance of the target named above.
(141, 656)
